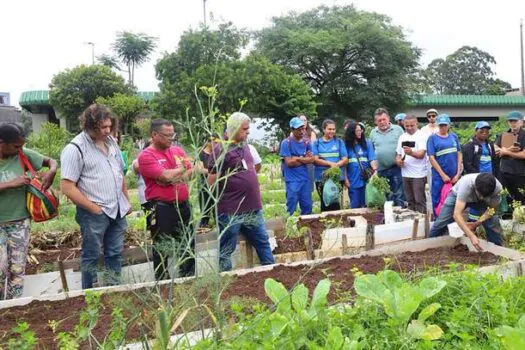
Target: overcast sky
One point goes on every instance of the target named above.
(41, 38)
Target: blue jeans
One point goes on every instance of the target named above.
(357, 197)
(299, 192)
(251, 224)
(395, 180)
(492, 226)
(100, 231)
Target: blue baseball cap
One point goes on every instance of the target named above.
(296, 123)
(481, 125)
(400, 116)
(443, 119)
(515, 115)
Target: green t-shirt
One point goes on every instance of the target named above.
(13, 200)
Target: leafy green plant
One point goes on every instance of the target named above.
(513, 338)
(25, 339)
(380, 183)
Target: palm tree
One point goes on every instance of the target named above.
(133, 50)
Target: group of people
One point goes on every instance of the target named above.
(409, 158)
(92, 177)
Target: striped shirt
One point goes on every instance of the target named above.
(98, 176)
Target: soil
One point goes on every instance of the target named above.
(339, 271)
(317, 226)
(46, 259)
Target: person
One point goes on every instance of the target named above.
(412, 159)
(15, 222)
(384, 137)
(444, 151)
(310, 136)
(257, 161)
(166, 170)
(239, 204)
(141, 185)
(329, 152)
(479, 191)
(361, 156)
(92, 178)
(296, 153)
(205, 200)
(399, 118)
(512, 163)
(432, 127)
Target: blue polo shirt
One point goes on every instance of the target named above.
(485, 161)
(293, 148)
(332, 151)
(353, 168)
(445, 150)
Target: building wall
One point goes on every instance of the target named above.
(5, 99)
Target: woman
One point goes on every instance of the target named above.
(309, 137)
(14, 217)
(361, 163)
(329, 152)
(444, 152)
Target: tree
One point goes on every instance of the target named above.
(109, 61)
(126, 108)
(73, 90)
(269, 90)
(354, 61)
(467, 71)
(133, 50)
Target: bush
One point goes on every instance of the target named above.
(50, 141)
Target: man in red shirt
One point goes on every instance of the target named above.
(166, 169)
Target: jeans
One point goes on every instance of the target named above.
(299, 192)
(251, 224)
(99, 230)
(415, 193)
(172, 233)
(395, 180)
(492, 226)
(357, 197)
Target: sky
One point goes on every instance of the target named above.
(42, 38)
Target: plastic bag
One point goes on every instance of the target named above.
(444, 193)
(330, 192)
(373, 197)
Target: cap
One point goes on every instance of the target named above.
(296, 123)
(443, 119)
(400, 116)
(515, 115)
(432, 110)
(481, 125)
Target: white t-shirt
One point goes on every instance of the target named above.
(414, 168)
(255, 155)
(427, 130)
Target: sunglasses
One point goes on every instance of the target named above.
(431, 116)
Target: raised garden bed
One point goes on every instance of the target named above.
(408, 258)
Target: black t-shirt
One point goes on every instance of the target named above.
(512, 165)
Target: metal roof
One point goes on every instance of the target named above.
(467, 100)
(41, 97)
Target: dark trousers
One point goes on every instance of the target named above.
(513, 183)
(205, 205)
(415, 193)
(334, 206)
(173, 237)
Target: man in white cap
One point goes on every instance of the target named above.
(431, 127)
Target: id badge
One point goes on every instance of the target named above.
(244, 165)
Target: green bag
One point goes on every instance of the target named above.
(373, 197)
(330, 192)
(503, 205)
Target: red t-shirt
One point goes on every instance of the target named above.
(152, 163)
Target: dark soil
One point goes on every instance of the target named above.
(47, 259)
(339, 271)
(317, 227)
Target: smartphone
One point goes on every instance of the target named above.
(410, 144)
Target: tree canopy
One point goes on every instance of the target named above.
(73, 90)
(126, 108)
(355, 61)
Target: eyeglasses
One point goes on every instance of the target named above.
(169, 137)
(431, 116)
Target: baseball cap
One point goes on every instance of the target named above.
(443, 119)
(400, 116)
(515, 115)
(481, 125)
(296, 123)
(432, 110)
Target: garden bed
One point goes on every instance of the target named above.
(249, 284)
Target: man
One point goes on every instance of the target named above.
(297, 154)
(257, 161)
(512, 164)
(92, 178)
(239, 203)
(399, 118)
(411, 158)
(384, 137)
(166, 169)
(478, 191)
(479, 154)
(431, 127)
